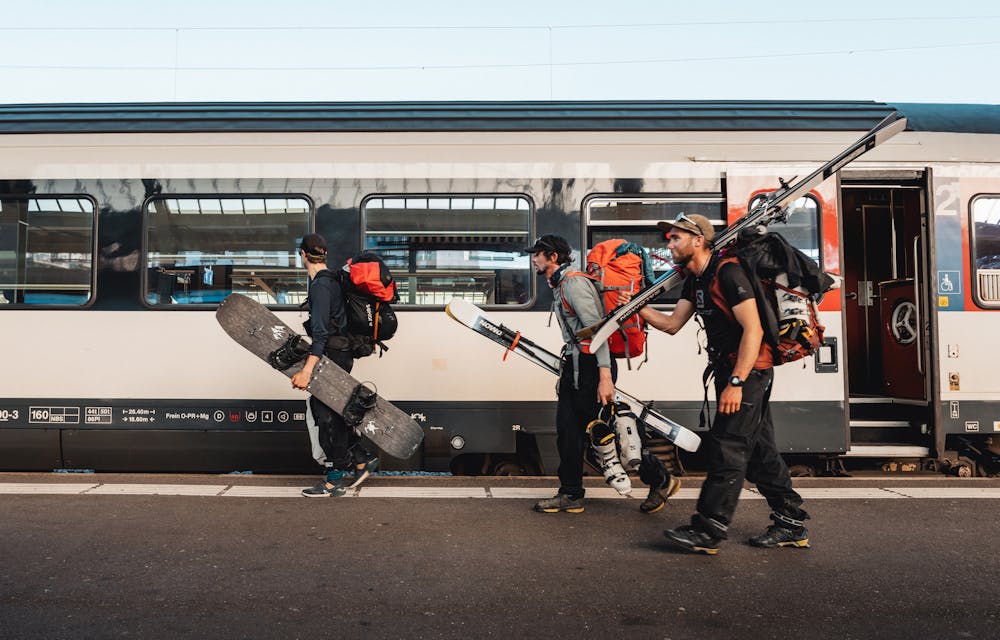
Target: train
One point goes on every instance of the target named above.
(122, 227)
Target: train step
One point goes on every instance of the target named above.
(887, 451)
(880, 423)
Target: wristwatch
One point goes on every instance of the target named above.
(736, 381)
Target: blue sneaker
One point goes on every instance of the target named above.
(361, 473)
(325, 489)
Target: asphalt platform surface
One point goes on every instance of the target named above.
(891, 557)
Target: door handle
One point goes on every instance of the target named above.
(916, 303)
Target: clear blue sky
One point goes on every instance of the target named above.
(254, 50)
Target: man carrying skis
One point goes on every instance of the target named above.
(586, 382)
(335, 445)
(740, 442)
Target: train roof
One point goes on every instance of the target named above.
(491, 116)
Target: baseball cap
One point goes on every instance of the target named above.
(550, 243)
(694, 223)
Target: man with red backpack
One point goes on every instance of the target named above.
(586, 382)
(335, 444)
(740, 442)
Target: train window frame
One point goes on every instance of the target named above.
(977, 293)
(92, 282)
(587, 222)
(203, 306)
(819, 222)
(532, 287)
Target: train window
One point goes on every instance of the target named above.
(444, 246)
(802, 226)
(986, 249)
(199, 249)
(46, 250)
(635, 218)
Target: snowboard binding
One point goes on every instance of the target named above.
(602, 438)
(288, 354)
(362, 399)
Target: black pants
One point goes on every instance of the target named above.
(576, 409)
(741, 445)
(335, 437)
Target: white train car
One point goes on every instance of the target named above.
(122, 226)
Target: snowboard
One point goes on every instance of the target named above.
(476, 319)
(258, 330)
(770, 210)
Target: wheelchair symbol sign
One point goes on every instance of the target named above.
(949, 282)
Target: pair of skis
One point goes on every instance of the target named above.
(476, 319)
(769, 211)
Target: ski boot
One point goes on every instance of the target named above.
(602, 437)
(629, 442)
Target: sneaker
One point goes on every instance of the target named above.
(693, 540)
(657, 498)
(561, 502)
(325, 490)
(361, 473)
(778, 536)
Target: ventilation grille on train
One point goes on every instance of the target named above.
(989, 285)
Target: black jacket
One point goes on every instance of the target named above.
(327, 316)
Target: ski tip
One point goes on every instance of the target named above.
(458, 308)
(688, 440)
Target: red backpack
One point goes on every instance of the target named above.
(618, 265)
(368, 291)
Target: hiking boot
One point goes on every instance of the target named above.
(561, 502)
(778, 536)
(361, 473)
(326, 489)
(657, 498)
(693, 540)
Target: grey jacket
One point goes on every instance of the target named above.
(585, 309)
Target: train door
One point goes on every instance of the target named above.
(885, 267)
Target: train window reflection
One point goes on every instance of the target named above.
(801, 229)
(986, 249)
(442, 247)
(634, 219)
(46, 250)
(199, 249)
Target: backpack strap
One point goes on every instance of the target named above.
(567, 311)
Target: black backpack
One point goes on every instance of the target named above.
(787, 284)
(368, 291)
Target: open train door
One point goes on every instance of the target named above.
(886, 320)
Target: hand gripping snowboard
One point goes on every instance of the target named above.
(476, 319)
(770, 210)
(261, 332)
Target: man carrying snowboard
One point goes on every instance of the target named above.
(335, 445)
(586, 382)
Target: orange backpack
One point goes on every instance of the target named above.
(614, 266)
